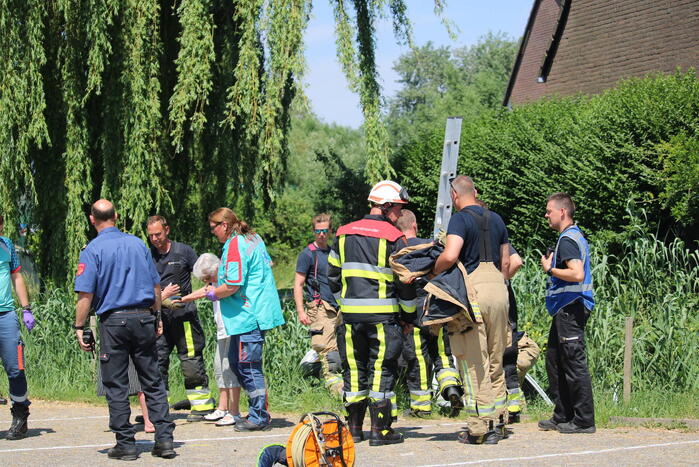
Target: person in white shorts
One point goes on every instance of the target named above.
(228, 410)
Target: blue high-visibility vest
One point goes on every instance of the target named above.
(560, 293)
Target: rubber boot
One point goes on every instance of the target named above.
(381, 431)
(18, 429)
(501, 430)
(355, 419)
(455, 395)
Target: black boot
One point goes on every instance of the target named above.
(355, 419)
(500, 429)
(381, 431)
(18, 429)
(454, 394)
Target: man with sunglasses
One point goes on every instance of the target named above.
(320, 312)
(374, 307)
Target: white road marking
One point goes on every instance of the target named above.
(143, 441)
(32, 419)
(564, 454)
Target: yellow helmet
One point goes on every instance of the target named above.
(387, 191)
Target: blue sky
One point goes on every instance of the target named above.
(324, 82)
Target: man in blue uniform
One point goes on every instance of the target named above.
(11, 345)
(116, 276)
(569, 301)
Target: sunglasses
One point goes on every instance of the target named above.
(321, 231)
(213, 227)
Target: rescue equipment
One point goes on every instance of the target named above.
(320, 439)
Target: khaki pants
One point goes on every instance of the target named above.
(528, 353)
(481, 350)
(324, 318)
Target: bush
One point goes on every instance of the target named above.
(601, 150)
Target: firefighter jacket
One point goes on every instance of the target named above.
(359, 274)
(448, 295)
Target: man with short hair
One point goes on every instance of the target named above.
(569, 300)
(427, 355)
(181, 327)
(11, 345)
(320, 313)
(117, 276)
(478, 238)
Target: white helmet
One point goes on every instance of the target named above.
(387, 191)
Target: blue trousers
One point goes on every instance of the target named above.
(245, 357)
(11, 352)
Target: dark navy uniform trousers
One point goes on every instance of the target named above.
(124, 333)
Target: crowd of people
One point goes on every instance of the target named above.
(377, 293)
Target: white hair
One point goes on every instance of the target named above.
(206, 266)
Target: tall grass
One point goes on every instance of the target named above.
(655, 283)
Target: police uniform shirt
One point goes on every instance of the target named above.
(306, 265)
(465, 226)
(175, 267)
(118, 269)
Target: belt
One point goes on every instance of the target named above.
(127, 311)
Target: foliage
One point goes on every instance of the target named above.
(170, 107)
(440, 82)
(599, 149)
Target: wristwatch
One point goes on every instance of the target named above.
(549, 272)
(79, 328)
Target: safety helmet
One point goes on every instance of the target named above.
(387, 191)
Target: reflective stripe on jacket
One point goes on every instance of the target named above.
(560, 293)
(359, 274)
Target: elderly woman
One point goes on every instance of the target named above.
(249, 307)
(228, 412)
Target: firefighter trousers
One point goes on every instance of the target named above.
(369, 353)
(427, 355)
(324, 320)
(566, 365)
(481, 350)
(186, 334)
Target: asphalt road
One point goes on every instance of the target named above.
(74, 434)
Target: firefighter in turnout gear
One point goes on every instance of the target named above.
(427, 355)
(374, 307)
(181, 326)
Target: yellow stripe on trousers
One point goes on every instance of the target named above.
(420, 358)
(351, 360)
(378, 364)
(441, 349)
(188, 339)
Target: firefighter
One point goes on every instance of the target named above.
(426, 354)
(478, 238)
(371, 302)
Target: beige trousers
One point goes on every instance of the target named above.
(324, 318)
(481, 349)
(527, 354)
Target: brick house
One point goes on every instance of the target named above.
(574, 46)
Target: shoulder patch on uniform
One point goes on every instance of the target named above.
(81, 269)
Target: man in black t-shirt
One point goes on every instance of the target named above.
(478, 237)
(319, 310)
(181, 327)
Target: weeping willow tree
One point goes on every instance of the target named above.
(174, 107)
